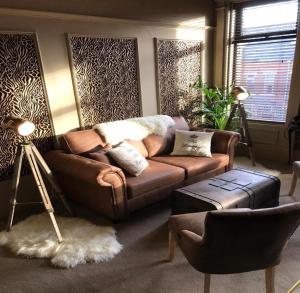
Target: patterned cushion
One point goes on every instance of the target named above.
(101, 155)
(192, 143)
(129, 158)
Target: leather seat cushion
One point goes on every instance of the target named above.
(194, 165)
(157, 175)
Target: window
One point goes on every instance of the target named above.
(262, 46)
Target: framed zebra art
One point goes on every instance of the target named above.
(178, 63)
(22, 94)
(105, 78)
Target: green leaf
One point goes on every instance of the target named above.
(215, 103)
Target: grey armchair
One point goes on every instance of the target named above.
(235, 241)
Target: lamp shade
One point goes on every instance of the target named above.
(19, 125)
(240, 93)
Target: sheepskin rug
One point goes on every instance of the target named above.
(83, 242)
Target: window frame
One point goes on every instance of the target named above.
(235, 37)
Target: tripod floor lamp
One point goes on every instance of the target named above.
(24, 128)
(241, 94)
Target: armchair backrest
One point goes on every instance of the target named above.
(249, 239)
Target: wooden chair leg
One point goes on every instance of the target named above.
(172, 246)
(293, 184)
(270, 280)
(294, 287)
(206, 283)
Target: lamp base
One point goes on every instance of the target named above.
(243, 127)
(35, 160)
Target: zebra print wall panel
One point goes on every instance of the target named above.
(178, 63)
(22, 94)
(105, 75)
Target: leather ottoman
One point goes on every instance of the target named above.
(237, 188)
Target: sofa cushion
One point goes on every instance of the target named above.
(155, 176)
(157, 144)
(83, 141)
(192, 143)
(194, 165)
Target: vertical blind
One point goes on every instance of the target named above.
(263, 46)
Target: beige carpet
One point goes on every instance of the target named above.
(140, 267)
(245, 163)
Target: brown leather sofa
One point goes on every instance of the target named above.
(105, 188)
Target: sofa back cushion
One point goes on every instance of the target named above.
(157, 144)
(139, 145)
(89, 141)
(82, 141)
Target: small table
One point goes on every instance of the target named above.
(237, 188)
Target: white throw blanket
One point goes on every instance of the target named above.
(134, 128)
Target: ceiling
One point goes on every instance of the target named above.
(164, 11)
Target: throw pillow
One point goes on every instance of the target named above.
(129, 158)
(192, 143)
(101, 154)
(100, 157)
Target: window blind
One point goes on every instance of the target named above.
(263, 43)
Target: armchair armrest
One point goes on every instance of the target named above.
(191, 245)
(223, 142)
(97, 185)
(186, 235)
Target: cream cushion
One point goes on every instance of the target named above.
(192, 143)
(129, 158)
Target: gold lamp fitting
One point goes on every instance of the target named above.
(20, 126)
(240, 93)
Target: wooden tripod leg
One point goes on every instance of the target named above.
(48, 173)
(231, 115)
(293, 184)
(247, 133)
(172, 246)
(15, 186)
(294, 287)
(251, 156)
(42, 188)
(56, 228)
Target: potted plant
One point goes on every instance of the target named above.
(215, 104)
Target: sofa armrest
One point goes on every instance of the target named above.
(97, 185)
(223, 141)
